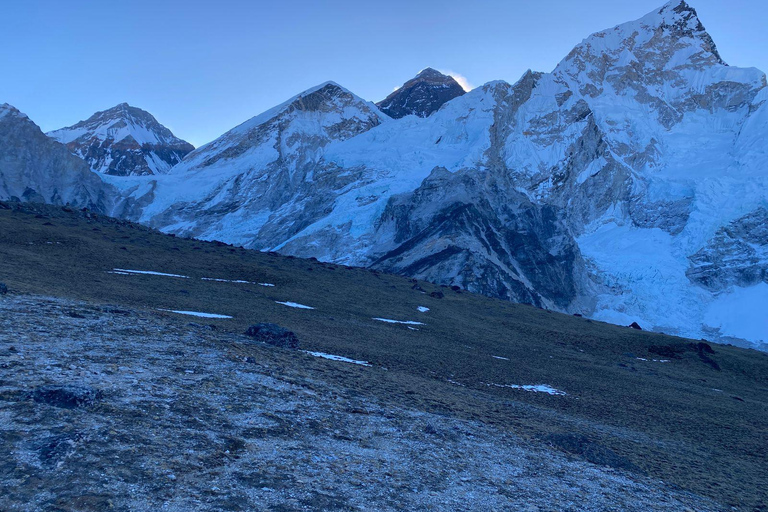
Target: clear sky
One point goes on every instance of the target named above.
(202, 67)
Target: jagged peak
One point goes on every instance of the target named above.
(7, 109)
(663, 33)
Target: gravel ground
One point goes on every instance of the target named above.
(107, 408)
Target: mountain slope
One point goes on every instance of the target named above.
(35, 168)
(422, 95)
(124, 140)
(590, 189)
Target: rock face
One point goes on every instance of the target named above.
(124, 140)
(35, 168)
(422, 95)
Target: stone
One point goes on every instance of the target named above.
(273, 334)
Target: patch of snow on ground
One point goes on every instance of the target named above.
(338, 358)
(423, 309)
(195, 313)
(225, 280)
(265, 284)
(404, 322)
(537, 388)
(502, 358)
(147, 272)
(294, 305)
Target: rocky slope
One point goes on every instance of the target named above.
(422, 95)
(37, 169)
(124, 140)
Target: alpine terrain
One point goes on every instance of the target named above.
(628, 185)
(124, 140)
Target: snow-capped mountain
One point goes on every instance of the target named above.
(421, 95)
(630, 184)
(35, 168)
(122, 141)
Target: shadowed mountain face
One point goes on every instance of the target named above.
(422, 95)
(34, 168)
(124, 140)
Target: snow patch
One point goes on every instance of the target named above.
(146, 272)
(338, 358)
(423, 309)
(404, 322)
(536, 388)
(195, 313)
(294, 305)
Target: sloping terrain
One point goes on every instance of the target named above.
(584, 399)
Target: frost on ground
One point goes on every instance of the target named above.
(178, 417)
(404, 322)
(294, 305)
(195, 313)
(338, 358)
(537, 388)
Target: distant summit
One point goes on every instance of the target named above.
(421, 95)
(124, 141)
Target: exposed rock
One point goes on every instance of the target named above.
(736, 256)
(273, 334)
(122, 141)
(35, 168)
(3, 289)
(635, 325)
(421, 95)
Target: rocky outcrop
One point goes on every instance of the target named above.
(736, 256)
(35, 168)
(122, 141)
(422, 95)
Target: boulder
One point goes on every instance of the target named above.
(273, 334)
(3, 289)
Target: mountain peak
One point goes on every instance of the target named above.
(124, 140)
(421, 95)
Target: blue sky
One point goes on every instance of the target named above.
(204, 67)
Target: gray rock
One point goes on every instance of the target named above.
(273, 334)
